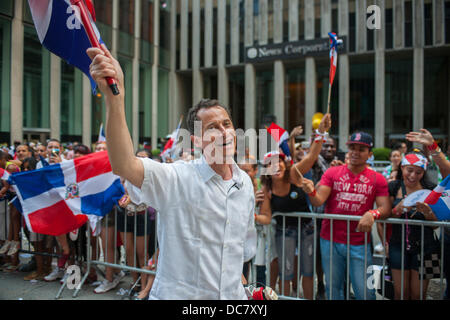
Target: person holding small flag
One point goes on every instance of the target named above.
(206, 226)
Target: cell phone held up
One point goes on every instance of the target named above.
(55, 153)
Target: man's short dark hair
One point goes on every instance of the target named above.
(3, 155)
(203, 104)
(54, 140)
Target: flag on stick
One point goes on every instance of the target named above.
(334, 43)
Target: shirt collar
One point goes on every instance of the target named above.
(206, 172)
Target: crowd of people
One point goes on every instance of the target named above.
(312, 181)
(211, 210)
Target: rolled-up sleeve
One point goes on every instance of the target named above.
(157, 186)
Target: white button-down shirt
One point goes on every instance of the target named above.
(206, 229)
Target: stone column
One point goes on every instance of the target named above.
(17, 45)
(250, 73)
(418, 66)
(55, 96)
(137, 54)
(380, 74)
(208, 43)
(184, 36)
(234, 32)
(310, 70)
(155, 77)
(279, 69)
(399, 23)
(87, 111)
(222, 73)
(344, 79)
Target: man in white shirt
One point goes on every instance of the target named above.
(206, 206)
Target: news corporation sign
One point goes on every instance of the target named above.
(290, 50)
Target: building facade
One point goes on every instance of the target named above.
(389, 80)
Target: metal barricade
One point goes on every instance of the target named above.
(333, 217)
(103, 260)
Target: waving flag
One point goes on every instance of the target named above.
(281, 136)
(4, 175)
(61, 31)
(172, 143)
(101, 134)
(334, 43)
(439, 200)
(57, 199)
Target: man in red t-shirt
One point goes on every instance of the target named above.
(350, 189)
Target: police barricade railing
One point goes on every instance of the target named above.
(332, 217)
(132, 246)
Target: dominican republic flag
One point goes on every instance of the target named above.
(4, 175)
(58, 198)
(281, 136)
(334, 43)
(172, 143)
(439, 200)
(101, 134)
(60, 30)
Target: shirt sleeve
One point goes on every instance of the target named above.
(157, 187)
(381, 186)
(250, 240)
(327, 178)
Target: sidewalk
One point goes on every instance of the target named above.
(13, 287)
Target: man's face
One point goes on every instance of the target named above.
(218, 140)
(403, 148)
(328, 150)
(41, 150)
(358, 154)
(100, 147)
(53, 146)
(22, 152)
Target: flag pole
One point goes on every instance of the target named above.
(92, 37)
(329, 97)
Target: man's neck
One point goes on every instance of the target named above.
(223, 170)
(356, 169)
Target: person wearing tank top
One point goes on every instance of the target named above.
(283, 194)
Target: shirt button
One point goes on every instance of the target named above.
(228, 221)
(225, 246)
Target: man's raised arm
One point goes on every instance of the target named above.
(118, 139)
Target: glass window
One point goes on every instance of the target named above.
(295, 97)
(103, 13)
(351, 26)
(447, 22)
(7, 7)
(389, 25)
(97, 115)
(126, 27)
(408, 24)
(127, 67)
(237, 98)
(264, 98)
(5, 79)
(428, 23)
(362, 97)
(323, 81)
(71, 105)
(399, 96)
(436, 99)
(36, 89)
(145, 103)
(163, 103)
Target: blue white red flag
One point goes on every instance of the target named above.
(60, 30)
(58, 198)
(101, 134)
(334, 43)
(4, 175)
(439, 200)
(172, 143)
(281, 136)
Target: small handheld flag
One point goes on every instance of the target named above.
(439, 200)
(281, 136)
(334, 43)
(66, 28)
(101, 134)
(171, 144)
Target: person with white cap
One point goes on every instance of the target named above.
(413, 177)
